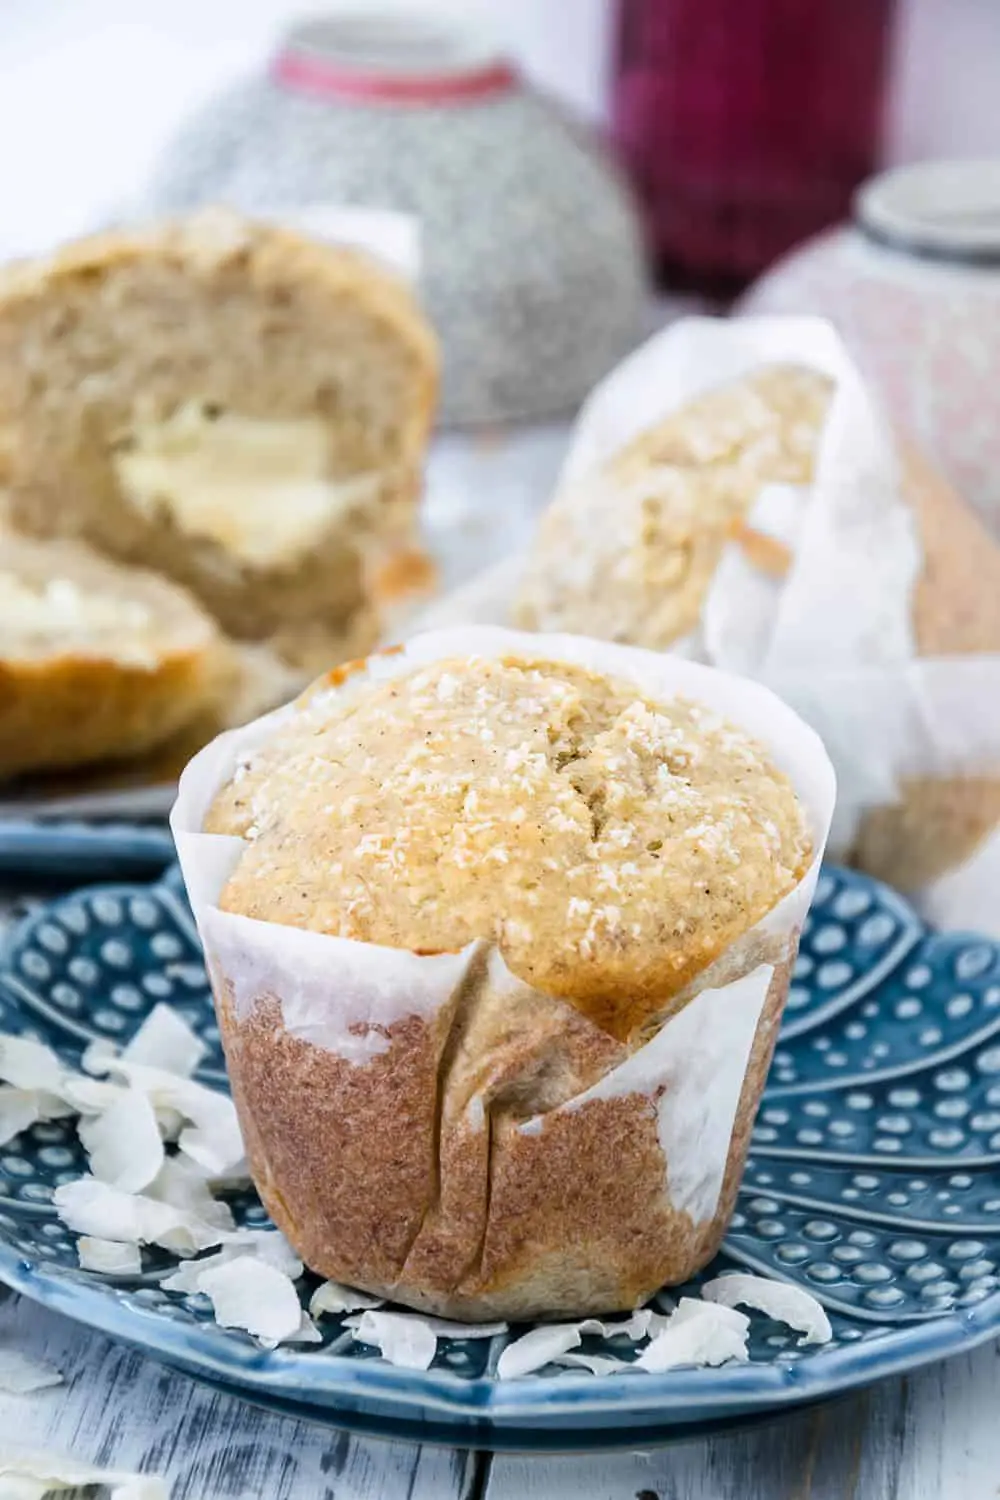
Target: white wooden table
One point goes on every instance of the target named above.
(930, 1436)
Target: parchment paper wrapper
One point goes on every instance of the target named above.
(834, 637)
(526, 1163)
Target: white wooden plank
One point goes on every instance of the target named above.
(931, 1436)
(120, 1409)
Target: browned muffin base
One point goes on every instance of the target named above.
(475, 1220)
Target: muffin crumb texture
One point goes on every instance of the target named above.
(628, 552)
(610, 845)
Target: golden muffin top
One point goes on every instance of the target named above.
(611, 845)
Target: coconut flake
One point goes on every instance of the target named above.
(213, 1137)
(89, 1096)
(444, 1328)
(19, 1110)
(643, 1323)
(181, 1183)
(235, 1177)
(55, 1106)
(551, 1343)
(165, 1040)
(249, 1294)
(695, 1335)
(96, 1209)
(29, 1065)
(270, 1245)
(778, 1299)
(110, 1257)
(140, 1487)
(124, 1143)
(536, 1348)
(597, 1364)
(170, 1121)
(23, 1489)
(691, 1308)
(404, 1340)
(22, 1468)
(20, 1374)
(96, 1054)
(187, 1233)
(219, 1150)
(187, 1277)
(307, 1333)
(331, 1297)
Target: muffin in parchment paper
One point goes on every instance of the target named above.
(760, 515)
(500, 934)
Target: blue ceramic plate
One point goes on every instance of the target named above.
(874, 1182)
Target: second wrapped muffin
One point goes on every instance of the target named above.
(500, 935)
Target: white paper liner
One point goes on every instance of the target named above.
(834, 637)
(343, 995)
(697, 1086)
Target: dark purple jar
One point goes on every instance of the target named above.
(746, 124)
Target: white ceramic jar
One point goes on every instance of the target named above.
(913, 286)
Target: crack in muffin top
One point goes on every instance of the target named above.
(611, 844)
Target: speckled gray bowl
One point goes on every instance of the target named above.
(532, 263)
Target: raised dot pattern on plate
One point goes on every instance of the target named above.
(937, 998)
(94, 964)
(850, 937)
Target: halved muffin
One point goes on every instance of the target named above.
(241, 408)
(97, 661)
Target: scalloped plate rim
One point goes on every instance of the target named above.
(779, 1383)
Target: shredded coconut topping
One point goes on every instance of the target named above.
(607, 842)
